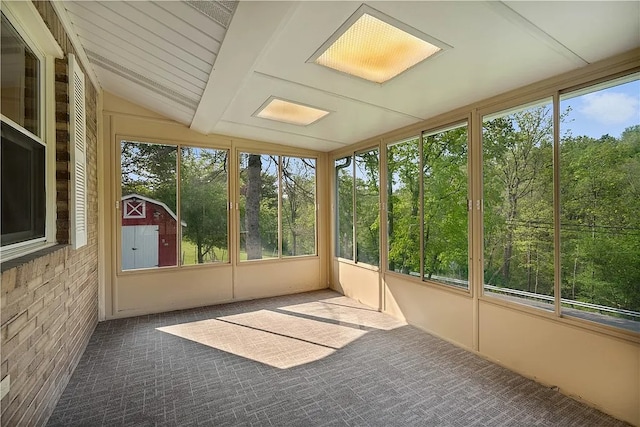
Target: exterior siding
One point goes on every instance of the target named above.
(49, 304)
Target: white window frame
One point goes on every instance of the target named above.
(27, 21)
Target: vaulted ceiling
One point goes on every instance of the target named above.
(212, 64)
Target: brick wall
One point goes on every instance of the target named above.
(49, 304)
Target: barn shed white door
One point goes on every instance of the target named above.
(139, 246)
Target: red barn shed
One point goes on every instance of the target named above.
(149, 233)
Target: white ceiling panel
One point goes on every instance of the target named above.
(349, 119)
(489, 55)
(594, 30)
(211, 64)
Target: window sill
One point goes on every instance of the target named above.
(24, 259)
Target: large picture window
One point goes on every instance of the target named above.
(598, 234)
(203, 205)
(600, 203)
(517, 149)
(298, 206)
(358, 207)
(367, 196)
(445, 215)
(427, 176)
(277, 206)
(154, 232)
(344, 207)
(403, 206)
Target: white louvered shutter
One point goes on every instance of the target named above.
(78, 148)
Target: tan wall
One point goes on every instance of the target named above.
(359, 282)
(599, 369)
(443, 312)
(50, 298)
(597, 364)
(157, 290)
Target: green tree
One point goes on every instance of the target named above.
(149, 170)
(203, 199)
(403, 204)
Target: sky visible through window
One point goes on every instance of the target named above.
(608, 111)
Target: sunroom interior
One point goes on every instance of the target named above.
(199, 153)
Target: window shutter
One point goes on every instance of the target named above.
(78, 148)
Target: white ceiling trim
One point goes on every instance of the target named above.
(26, 15)
(288, 132)
(226, 127)
(511, 15)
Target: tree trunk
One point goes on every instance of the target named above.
(252, 214)
(200, 252)
(508, 247)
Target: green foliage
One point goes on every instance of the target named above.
(298, 215)
(518, 200)
(600, 224)
(599, 205)
(403, 204)
(203, 201)
(298, 206)
(367, 196)
(445, 241)
(344, 207)
(150, 170)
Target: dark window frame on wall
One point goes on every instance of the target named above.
(28, 135)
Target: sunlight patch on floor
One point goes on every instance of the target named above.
(273, 338)
(347, 311)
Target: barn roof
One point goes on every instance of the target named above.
(154, 201)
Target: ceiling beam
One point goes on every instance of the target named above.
(252, 28)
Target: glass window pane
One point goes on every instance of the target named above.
(203, 205)
(518, 205)
(258, 206)
(600, 204)
(298, 206)
(20, 73)
(367, 194)
(148, 209)
(445, 243)
(403, 207)
(344, 207)
(23, 187)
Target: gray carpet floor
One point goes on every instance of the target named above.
(312, 359)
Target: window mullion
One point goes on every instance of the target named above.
(557, 293)
(354, 220)
(279, 206)
(421, 204)
(178, 205)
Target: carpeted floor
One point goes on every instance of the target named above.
(313, 359)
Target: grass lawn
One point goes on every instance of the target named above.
(189, 254)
